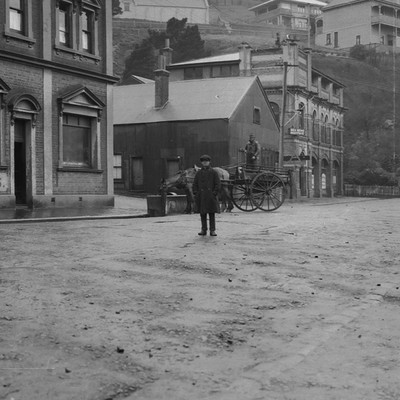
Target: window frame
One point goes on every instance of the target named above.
(256, 115)
(328, 39)
(117, 167)
(76, 14)
(69, 22)
(91, 109)
(26, 33)
(89, 138)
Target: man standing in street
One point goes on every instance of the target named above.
(206, 186)
(252, 151)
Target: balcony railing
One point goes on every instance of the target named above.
(385, 20)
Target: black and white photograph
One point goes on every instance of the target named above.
(199, 200)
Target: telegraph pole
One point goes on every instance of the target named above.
(283, 112)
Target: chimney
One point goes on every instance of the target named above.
(161, 76)
(245, 59)
(167, 53)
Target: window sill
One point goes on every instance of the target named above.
(75, 53)
(77, 169)
(17, 36)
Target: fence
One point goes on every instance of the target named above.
(371, 191)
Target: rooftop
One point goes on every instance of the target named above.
(215, 98)
(305, 2)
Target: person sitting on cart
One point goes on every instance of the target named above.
(252, 151)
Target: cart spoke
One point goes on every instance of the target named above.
(267, 190)
(241, 197)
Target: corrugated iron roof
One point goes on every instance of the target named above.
(311, 2)
(172, 3)
(189, 100)
(209, 60)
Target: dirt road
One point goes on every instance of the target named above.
(301, 303)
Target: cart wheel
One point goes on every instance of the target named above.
(241, 196)
(267, 191)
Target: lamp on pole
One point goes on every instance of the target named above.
(283, 112)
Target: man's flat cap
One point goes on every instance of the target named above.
(205, 157)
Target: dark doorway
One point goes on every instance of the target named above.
(20, 161)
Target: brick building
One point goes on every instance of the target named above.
(55, 96)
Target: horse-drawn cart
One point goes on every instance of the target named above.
(248, 188)
(257, 187)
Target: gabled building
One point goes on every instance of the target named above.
(293, 14)
(163, 127)
(313, 112)
(55, 95)
(345, 23)
(196, 11)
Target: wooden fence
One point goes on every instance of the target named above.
(371, 191)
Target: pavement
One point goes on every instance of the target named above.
(125, 207)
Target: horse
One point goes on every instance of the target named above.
(184, 180)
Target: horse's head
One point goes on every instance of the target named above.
(178, 180)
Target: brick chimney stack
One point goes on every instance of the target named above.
(167, 52)
(245, 59)
(161, 76)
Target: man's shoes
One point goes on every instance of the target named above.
(213, 233)
(202, 233)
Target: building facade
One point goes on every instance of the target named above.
(312, 115)
(196, 11)
(56, 89)
(346, 24)
(293, 14)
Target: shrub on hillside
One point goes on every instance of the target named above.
(360, 52)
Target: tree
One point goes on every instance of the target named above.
(116, 9)
(185, 42)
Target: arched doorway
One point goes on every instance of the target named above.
(23, 110)
(315, 177)
(336, 179)
(325, 178)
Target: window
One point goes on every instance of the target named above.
(64, 24)
(358, 39)
(17, 16)
(77, 140)
(18, 20)
(77, 29)
(193, 73)
(256, 116)
(127, 6)
(314, 126)
(276, 111)
(328, 39)
(300, 110)
(301, 9)
(79, 121)
(87, 19)
(117, 166)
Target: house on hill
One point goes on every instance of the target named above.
(313, 116)
(163, 127)
(56, 82)
(294, 14)
(345, 23)
(196, 11)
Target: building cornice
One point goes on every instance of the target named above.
(41, 63)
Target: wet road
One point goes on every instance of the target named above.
(301, 303)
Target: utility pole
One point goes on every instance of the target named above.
(283, 112)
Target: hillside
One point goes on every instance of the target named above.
(370, 95)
